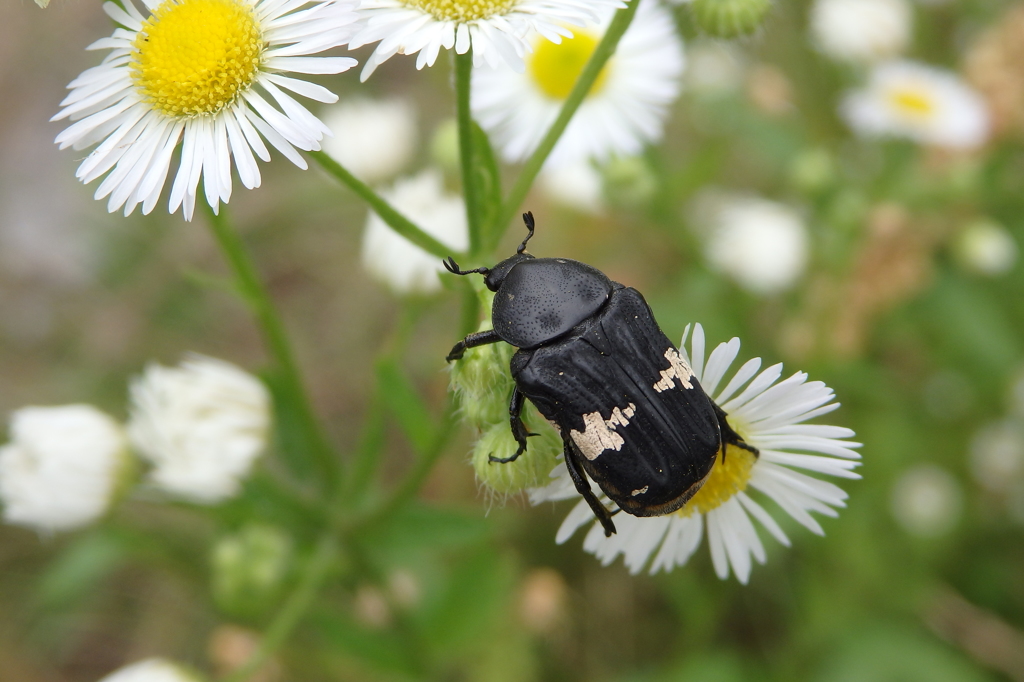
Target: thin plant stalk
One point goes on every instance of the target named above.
(605, 49)
(313, 576)
(395, 220)
(470, 185)
(252, 290)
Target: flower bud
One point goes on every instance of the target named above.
(987, 248)
(482, 383)
(530, 469)
(629, 181)
(249, 568)
(152, 670)
(729, 18)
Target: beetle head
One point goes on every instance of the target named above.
(493, 277)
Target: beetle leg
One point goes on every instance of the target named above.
(583, 488)
(472, 341)
(729, 436)
(519, 432)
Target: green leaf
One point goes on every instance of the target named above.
(477, 589)
(80, 568)
(886, 653)
(408, 408)
(416, 527)
(293, 443)
(381, 650)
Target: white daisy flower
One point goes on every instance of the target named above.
(861, 30)
(919, 102)
(202, 425)
(187, 73)
(495, 29)
(626, 107)
(397, 262)
(768, 414)
(379, 139)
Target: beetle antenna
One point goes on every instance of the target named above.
(453, 267)
(530, 225)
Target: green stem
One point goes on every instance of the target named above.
(272, 328)
(591, 71)
(310, 582)
(398, 222)
(470, 185)
(416, 476)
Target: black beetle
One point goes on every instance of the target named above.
(595, 363)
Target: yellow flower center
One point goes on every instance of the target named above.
(556, 68)
(194, 57)
(914, 103)
(462, 11)
(727, 478)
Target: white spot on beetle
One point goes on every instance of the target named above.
(639, 492)
(677, 369)
(599, 434)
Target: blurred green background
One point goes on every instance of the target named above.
(924, 354)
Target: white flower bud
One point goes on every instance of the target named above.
(61, 468)
(986, 248)
(576, 185)
(201, 424)
(997, 455)
(151, 670)
(759, 243)
(396, 261)
(861, 30)
(927, 500)
(373, 139)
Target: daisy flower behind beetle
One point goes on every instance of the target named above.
(769, 415)
(187, 73)
(626, 106)
(918, 102)
(495, 29)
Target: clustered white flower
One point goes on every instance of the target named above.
(201, 425)
(61, 467)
